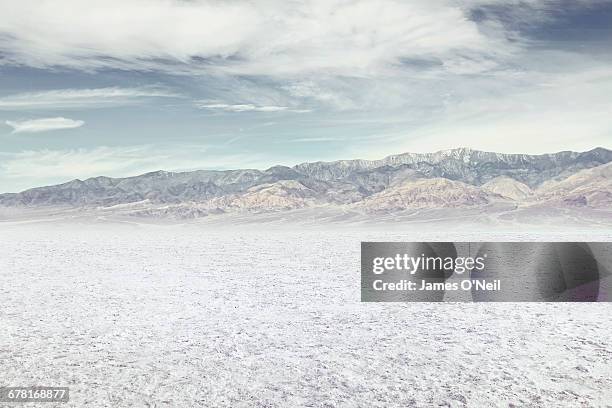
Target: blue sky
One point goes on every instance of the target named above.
(119, 88)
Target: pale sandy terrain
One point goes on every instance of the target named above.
(180, 316)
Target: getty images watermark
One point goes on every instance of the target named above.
(412, 264)
(477, 271)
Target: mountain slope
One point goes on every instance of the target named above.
(281, 195)
(446, 179)
(509, 188)
(427, 193)
(591, 187)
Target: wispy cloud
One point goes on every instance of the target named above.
(247, 107)
(272, 37)
(43, 124)
(82, 98)
(316, 139)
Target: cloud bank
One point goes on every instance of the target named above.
(82, 98)
(269, 37)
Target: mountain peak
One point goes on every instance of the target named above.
(158, 173)
(458, 151)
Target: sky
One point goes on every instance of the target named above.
(123, 87)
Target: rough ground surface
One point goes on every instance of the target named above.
(184, 316)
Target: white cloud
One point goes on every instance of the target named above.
(326, 95)
(246, 107)
(269, 37)
(81, 98)
(241, 107)
(43, 125)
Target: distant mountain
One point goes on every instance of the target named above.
(454, 178)
(590, 187)
(468, 165)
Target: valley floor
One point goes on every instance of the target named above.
(198, 315)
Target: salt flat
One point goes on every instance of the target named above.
(195, 315)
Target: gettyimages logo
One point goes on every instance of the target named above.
(490, 272)
(413, 264)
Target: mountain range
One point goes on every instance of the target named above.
(456, 178)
